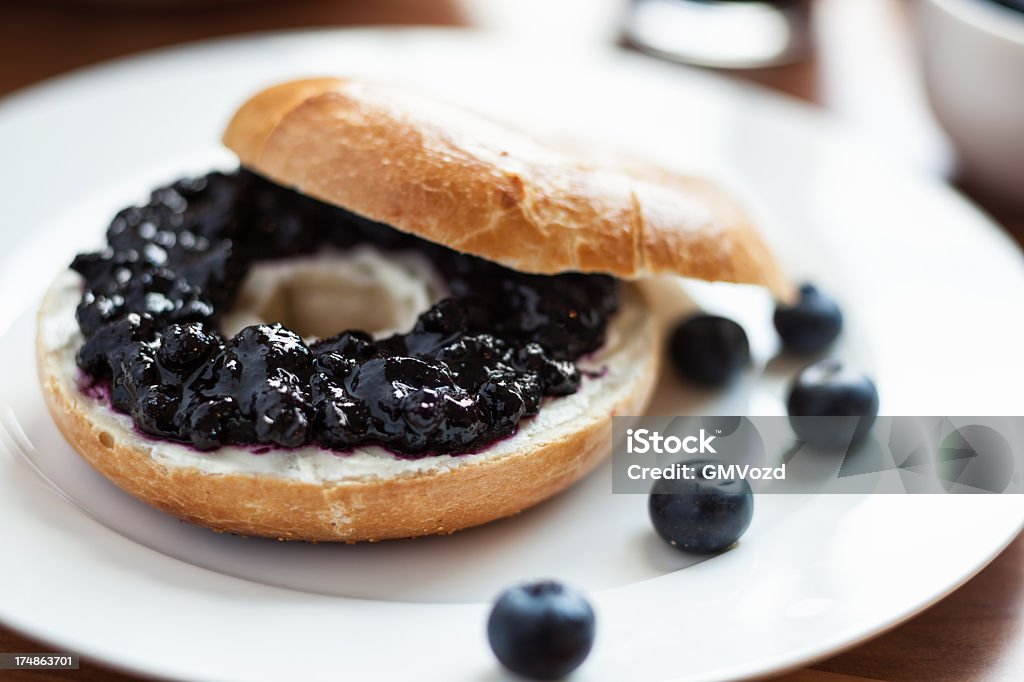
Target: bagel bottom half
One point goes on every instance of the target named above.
(369, 494)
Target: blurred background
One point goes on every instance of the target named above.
(937, 84)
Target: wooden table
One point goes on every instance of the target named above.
(864, 70)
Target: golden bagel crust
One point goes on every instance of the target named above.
(260, 504)
(465, 182)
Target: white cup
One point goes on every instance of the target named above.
(973, 55)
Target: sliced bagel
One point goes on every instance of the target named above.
(462, 181)
(368, 494)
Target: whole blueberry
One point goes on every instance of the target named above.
(542, 630)
(701, 515)
(811, 324)
(185, 345)
(709, 349)
(831, 406)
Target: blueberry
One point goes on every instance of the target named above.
(99, 352)
(422, 410)
(134, 370)
(502, 398)
(341, 421)
(470, 358)
(464, 422)
(811, 324)
(444, 318)
(542, 630)
(558, 377)
(163, 295)
(333, 364)
(532, 392)
(702, 515)
(353, 344)
(831, 406)
(709, 349)
(281, 418)
(186, 345)
(154, 412)
(271, 345)
(211, 422)
(96, 310)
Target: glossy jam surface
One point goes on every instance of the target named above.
(471, 368)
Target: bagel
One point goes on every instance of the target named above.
(392, 164)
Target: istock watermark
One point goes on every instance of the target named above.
(939, 455)
(642, 441)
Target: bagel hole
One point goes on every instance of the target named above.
(323, 295)
(106, 439)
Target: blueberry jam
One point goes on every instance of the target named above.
(471, 368)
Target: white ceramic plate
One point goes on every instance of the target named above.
(930, 287)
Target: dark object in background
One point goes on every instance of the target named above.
(543, 630)
(702, 515)
(709, 349)
(733, 34)
(832, 407)
(1011, 4)
(811, 324)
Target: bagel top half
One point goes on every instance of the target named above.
(468, 183)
